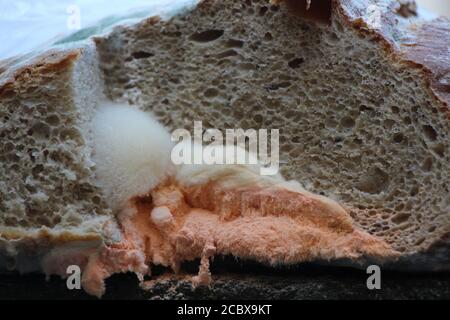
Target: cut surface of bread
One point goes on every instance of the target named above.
(47, 177)
(362, 119)
(362, 108)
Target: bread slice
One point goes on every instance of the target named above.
(47, 192)
(363, 113)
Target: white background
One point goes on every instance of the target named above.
(440, 6)
(26, 25)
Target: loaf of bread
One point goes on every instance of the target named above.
(360, 91)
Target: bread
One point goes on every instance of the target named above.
(362, 107)
(378, 140)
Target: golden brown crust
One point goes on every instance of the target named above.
(429, 46)
(429, 55)
(425, 48)
(19, 71)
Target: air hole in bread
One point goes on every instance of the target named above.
(37, 170)
(430, 133)
(296, 63)
(398, 138)
(40, 131)
(211, 93)
(347, 122)
(234, 43)
(142, 55)
(375, 181)
(263, 10)
(268, 36)
(439, 149)
(227, 53)
(395, 109)
(53, 120)
(414, 191)
(207, 36)
(276, 86)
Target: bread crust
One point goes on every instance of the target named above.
(14, 71)
(423, 47)
(429, 46)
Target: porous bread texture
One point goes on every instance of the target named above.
(46, 109)
(131, 150)
(357, 123)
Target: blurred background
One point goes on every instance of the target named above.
(439, 6)
(27, 25)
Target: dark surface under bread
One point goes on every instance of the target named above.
(243, 280)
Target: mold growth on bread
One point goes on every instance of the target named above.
(131, 152)
(170, 214)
